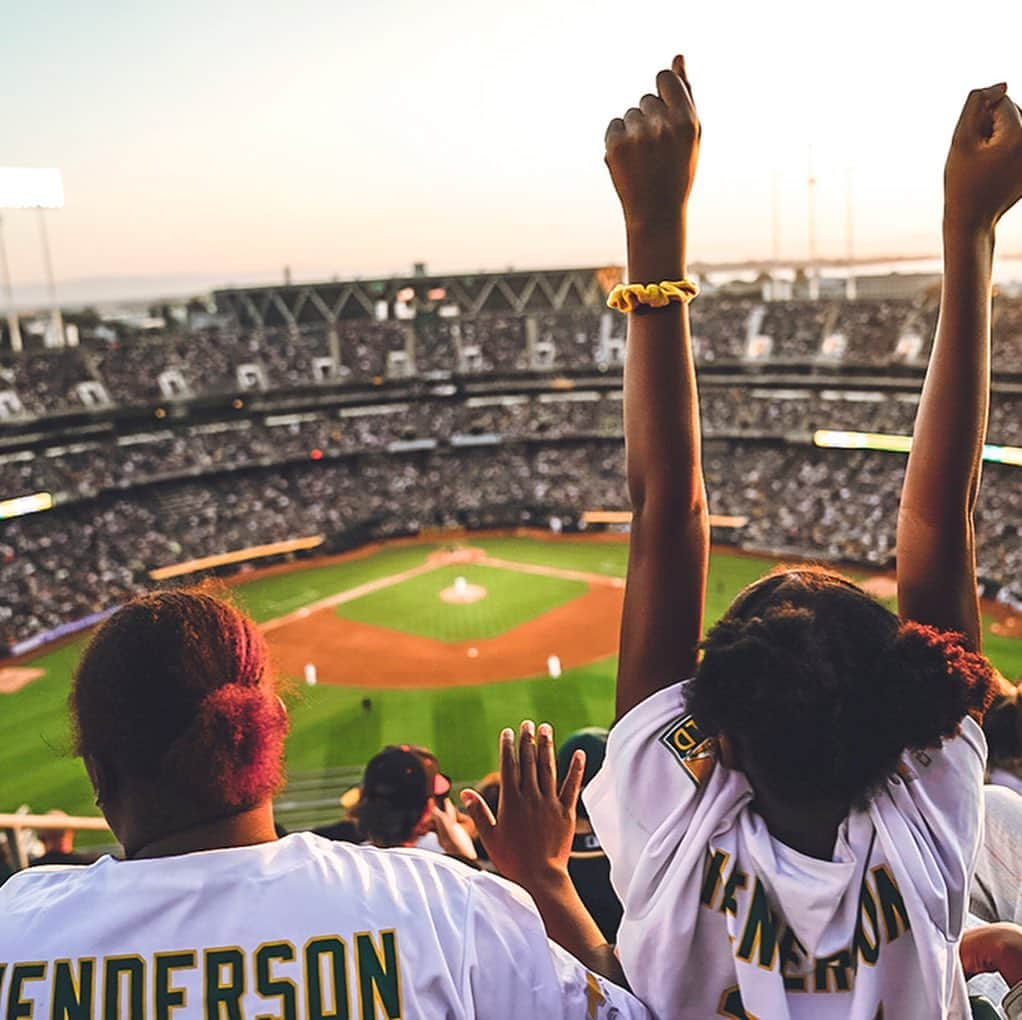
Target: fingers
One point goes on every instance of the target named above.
(546, 763)
(508, 765)
(479, 811)
(1006, 121)
(678, 67)
(615, 129)
(672, 89)
(633, 119)
(977, 116)
(527, 782)
(572, 785)
(652, 107)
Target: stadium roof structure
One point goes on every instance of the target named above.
(514, 292)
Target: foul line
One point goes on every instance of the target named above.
(350, 595)
(543, 571)
(427, 567)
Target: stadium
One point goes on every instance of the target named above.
(342, 454)
(631, 641)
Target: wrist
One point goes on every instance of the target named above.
(548, 880)
(959, 224)
(656, 251)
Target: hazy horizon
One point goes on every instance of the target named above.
(354, 139)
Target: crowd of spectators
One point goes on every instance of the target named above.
(89, 466)
(834, 504)
(133, 498)
(218, 361)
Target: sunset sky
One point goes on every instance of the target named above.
(224, 140)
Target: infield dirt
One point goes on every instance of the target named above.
(356, 654)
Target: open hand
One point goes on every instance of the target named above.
(983, 173)
(450, 833)
(530, 839)
(995, 948)
(652, 151)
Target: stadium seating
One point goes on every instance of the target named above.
(158, 450)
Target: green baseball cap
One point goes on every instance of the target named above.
(592, 740)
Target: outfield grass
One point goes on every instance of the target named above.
(415, 607)
(329, 725)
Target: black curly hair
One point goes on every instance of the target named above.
(821, 688)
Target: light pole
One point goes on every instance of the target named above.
(56, 319)
(13, 326)
(39, 189)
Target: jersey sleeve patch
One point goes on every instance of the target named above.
(695, 753)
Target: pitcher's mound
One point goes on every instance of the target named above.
(461, 593)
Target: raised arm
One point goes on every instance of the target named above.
(936, 542)
(652, 155)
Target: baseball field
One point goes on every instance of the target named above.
(436, 643)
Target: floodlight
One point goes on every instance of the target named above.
(21, 505)
(23, 187)
(834, 439)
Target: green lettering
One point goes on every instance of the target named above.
(711, 877)
(72, 997)
(868, 948)
(169, 998)
(837, 968)
(735, 881)
(792, 956)
(731, 1005)
(335, 952)
(268, 986)
(21, 973)
(760, 929)
(378, 980)
(223, 996)
(892, 906)
(133, 968)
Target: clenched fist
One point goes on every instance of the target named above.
(652, 151)
(983, 174)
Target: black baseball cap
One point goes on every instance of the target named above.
(405, 776)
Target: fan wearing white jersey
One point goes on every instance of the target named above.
(178, 719)
(792, 830)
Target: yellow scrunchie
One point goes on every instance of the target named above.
(626, 297)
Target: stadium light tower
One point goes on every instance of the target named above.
(39, 189)
(775, 286)
(814, 277)
(13, 326)
(850, 283)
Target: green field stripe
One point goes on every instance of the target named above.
(264, 597)
(457, 711)
(609, 558)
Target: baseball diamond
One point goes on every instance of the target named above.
(442, 674)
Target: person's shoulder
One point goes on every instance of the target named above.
(35, 887)
(422, 868)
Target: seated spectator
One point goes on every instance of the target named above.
(345, 829)
(402, 798)
(588, 865)
(59, 846)
(180, 725)
(489, 789)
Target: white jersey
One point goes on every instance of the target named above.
(723, 920)
(302, 927)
